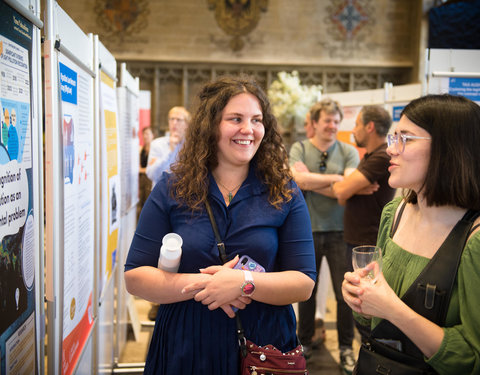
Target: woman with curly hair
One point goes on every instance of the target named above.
(233, 158)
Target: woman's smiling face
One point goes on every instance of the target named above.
(241, 130)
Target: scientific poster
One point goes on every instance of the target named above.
(144, 114)
(128, 129)
(110, 176)
(17, 229)
(467, 87)
(134, 169)
(78, 181)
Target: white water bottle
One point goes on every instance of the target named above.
(170, 252)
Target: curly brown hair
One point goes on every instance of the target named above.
(199, 153)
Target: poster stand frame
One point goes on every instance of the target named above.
(132, 85)
(27, 13)
(105, 63)
(62, 38)
(30, 10)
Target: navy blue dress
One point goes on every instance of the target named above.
(188, 338)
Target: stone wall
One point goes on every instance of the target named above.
(174, 46)
(299, 32)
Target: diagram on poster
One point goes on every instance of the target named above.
(113, 183)
(78, 164)
(15, 160)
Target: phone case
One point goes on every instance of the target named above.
(248, 264)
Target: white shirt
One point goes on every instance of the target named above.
(160, 158)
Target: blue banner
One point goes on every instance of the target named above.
(396, 112)
(68, 84)
(467, 87)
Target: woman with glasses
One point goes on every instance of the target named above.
(435, 159)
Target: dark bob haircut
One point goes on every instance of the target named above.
(453, 175)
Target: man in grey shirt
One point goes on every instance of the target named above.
(316, 164)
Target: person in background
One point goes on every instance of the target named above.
(310, 133)
(164, 150)
(325, 161)
(233, 157)
(366, 191)
(434, 158)
(145, 184)
(308, 126)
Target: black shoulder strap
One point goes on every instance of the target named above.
(429, 295)
(220, 244)
(438, 276)
(242, 342)
(397, 219)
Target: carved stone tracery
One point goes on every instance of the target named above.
(237, 18)
(178, 83)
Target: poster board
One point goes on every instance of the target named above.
(21, 279)
(105, 65)
(129, 108)
(145, 112)
(128, 111)
(70, 207)
(453, 71)
(109, 177)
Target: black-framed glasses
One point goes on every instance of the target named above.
(323, 161)
(400, 140)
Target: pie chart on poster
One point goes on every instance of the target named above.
(28, 251)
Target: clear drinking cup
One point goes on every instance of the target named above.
(362, 256)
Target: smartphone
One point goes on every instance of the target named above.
(248, 264)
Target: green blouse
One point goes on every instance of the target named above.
(459, 352)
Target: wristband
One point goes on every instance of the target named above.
(248, 287)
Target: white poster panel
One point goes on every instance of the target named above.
(78, 177)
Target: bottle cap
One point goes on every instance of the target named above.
(172, 241)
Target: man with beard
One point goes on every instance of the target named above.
(322, 161)
(365, 191)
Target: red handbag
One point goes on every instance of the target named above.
(269, 360)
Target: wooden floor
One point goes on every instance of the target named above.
(324, 361)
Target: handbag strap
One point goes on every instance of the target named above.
(438, 276)
(242, 341)
(220, 244)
